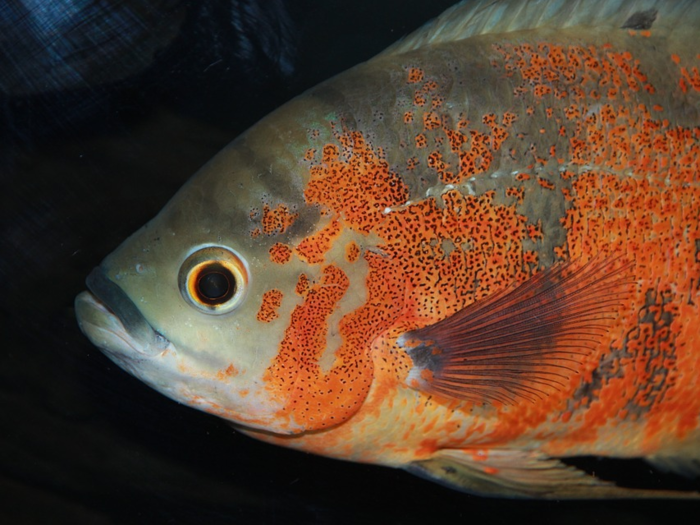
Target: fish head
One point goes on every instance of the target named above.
(185, 303)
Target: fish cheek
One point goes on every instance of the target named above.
(312, 397)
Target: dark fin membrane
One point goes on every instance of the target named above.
(522, 342)
(523, 474)
(641, 20)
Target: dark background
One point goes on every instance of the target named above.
(82, 167)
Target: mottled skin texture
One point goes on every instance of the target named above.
(410, 187)
(554, 149)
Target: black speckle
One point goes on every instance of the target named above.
(641, 20)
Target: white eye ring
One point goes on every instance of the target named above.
(214, 280)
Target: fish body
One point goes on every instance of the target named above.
(469, 257)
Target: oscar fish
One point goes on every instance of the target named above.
(473, 257)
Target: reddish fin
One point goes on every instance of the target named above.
(522, 342)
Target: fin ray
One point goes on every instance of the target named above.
(523, 341)
(523, 474)
(684, 466)
(479, 17)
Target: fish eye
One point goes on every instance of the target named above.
(213, 280)
(215, 285)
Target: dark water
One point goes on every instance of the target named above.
(83, 442)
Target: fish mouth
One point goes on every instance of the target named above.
(111, 320)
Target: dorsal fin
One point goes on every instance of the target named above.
(478, 17)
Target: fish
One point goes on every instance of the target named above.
(474, 257)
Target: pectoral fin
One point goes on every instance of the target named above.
(519, 474)
(524, 341)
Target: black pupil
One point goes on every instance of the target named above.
(215, 286)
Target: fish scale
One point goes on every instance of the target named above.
(468, 257)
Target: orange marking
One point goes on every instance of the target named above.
(280, 253)
(271, 301)
(229, 371)
(277, 220)
(415, 75)
(303, 285)
(313, 248)
(419, 99)
(315, 399)
(352, 252)
(534, 231)
(437, 255)
(545, 183)
(360, 185)
(431, 120)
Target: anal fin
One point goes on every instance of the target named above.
(521, 474)
(688, 467)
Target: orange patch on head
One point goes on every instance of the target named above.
(415, 75)
(313, 248)
(352, 252)
(271, 301)
(357, 186)
(312, 398)
(277, 220)
(303, 285)
(280, 253)
(229, 371)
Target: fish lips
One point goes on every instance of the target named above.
(111, 320)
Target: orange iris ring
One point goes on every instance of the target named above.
(198, 263)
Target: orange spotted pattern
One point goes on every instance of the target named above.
(280, 253)
(362, 186)
(271, 301)
(277, 220)
(648, 370)
(352, 252)
(689, 76)
(303, 285)
(585, 128)
(313, 248)
(313, 398)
